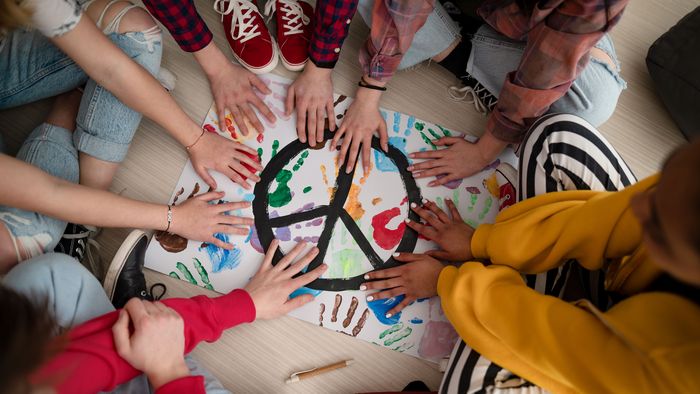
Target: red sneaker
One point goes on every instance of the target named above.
(247, 35)
(294, 30)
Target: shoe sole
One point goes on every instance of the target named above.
(293, 67)
(117, 264)
(264, 69)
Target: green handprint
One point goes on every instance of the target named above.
(203, 275)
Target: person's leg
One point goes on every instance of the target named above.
(434, 40)
(25, 234)
(105, 126)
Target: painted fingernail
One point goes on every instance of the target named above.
(424, 201)
(388, 315)
(370, 298)
(366, 277)
(363, 287)
(414, 205)
(407, 220)
(409, 168)
(396, 254)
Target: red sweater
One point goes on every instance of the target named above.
(90, 363)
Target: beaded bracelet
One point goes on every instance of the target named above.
(170, 217)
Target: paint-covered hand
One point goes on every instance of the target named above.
(416, 279)
(157, 345)
(234, 89)
(461, 159)
(271, 286)
(450, 233)
(236, 161)
(359, 124)
(197, 219)
(312, 95)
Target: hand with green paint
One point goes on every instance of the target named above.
(199, 220)
(461, 158)
(271, 286)
(415, 279)
(451, 234)
(359, 124)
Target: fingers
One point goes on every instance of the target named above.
(263, 109)
(336, 137)
(445, 179)
(446, 141)
(290, 256)
(384, 273)
(454, 212)
(297, 302)
(352, 155)
(302, 262)
(120, 331)
(439, 254)
(228, 229)
(330, 113)
(221, 113)
(219, 243)
(136, 309)
(403, 304)
(389, 293)
(432, 219)
(344, 146)
(383, 284)
(233, 175)
(301, 121)
(267, 261)
(432, 172)
(383, 136)
(259, 84)
(432, 207)
(243, 171)
(206, 177)
(309, 277)
(432, 160)
(366, 155)
(253, 118)
(311, 126)
(239, 119)
(210, 196)
(289, 101)
(426, 231)
(407, 257)
(319, 123)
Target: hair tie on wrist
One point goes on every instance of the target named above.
(364, 84)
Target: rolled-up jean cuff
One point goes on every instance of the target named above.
(99, 148)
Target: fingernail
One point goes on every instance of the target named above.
(409, 168)
(363, 287)
(424, 201)
(366, 277)
(414, 205)
(388, 315)
(370, 298)
(407, 220)
(396, 254)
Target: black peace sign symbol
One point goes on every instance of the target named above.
(333, 211)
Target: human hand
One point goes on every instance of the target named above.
(451, 234)
(233, 89)
(416, 279)
(312, 92)
(214, 152)
(359, 124)
(197, 219)
(157, 345)
(271, 286)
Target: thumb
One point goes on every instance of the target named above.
(206, 177)
(447, 141)
(438, 254)
(120, 331)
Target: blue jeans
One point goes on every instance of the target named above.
(32, 68)
(74, 296)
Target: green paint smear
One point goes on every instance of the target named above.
(185, 272)
(427, 140)
(260, 153)
(395, 333)
(300, 161)
(174, 274)
(472, 223)
(283, 195)
(419, 126)
(391, 330)
(275, 146)
(203, 274)
(472, 202)
(445, 131)
(487, 208)
(346, 264)
(307, 189)
(434, 134)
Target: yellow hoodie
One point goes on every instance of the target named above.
(647, 343)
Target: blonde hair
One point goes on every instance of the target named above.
(14, 14)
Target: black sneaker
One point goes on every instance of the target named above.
(124, 279)
(475, 93)
(78, 242)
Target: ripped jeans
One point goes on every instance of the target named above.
(32, 68)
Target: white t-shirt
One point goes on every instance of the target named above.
(52, 17)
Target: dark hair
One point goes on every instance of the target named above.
(27, 332)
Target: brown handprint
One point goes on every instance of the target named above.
(354, 302)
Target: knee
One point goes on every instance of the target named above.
(134, 20)
(37, 276)
(138, 20)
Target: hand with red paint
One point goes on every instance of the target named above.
(214, 152)
(450, 233)
(415, 279)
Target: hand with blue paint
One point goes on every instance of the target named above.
(312, 95)
(451, 234)
(199, 220)
(415, 279)
(271, 287)
(359, 124)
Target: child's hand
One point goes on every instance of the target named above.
(359, 124)
(157, 345)
(312, 94)
(199, 220)
(461, 159)
(451, 234)
(271, 286)
(416, 279)
(214, 152)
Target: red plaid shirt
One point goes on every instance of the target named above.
(183, 21)
(560, 35)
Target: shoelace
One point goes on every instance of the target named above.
(150, 292)
(243, 15)
(478, 95)
(88, 248)
(294, 18)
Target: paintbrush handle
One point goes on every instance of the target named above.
(317, 371)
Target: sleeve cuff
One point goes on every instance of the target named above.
(188, 384)
(445, 280)
(502, 129)
(324, 64)
(234, 308)
(479, 239)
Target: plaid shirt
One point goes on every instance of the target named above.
(394, 23)
(183, 22)
(559, 34)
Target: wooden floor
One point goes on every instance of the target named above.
(257, 358)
